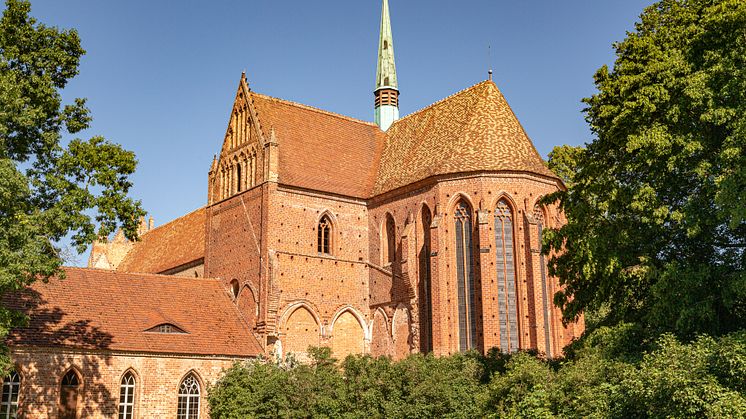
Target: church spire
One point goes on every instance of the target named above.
(387, 87)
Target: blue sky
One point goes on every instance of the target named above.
(160, 76)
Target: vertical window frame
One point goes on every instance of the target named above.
(466, 283)
(189, 402)
(11, 388)
(127, 395)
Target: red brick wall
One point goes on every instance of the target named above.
(482, 193)
(268, 237)
(327, 284)
(157, 381)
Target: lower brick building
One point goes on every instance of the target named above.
(413, 234)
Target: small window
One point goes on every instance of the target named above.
(69, 390)
(189, 392)
(385, 44)
(324, 240)
(386, 81)
(239, 185)
(388, 241)
(234, 288)
(11, 387)
(127, 396)
(166, 328)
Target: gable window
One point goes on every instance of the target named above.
(166, 328)
(69, 393)
(238, 178)
(11, 387)
(188, 398)
(467, 310)
(127, 396)
(323, 243)
(505, 267)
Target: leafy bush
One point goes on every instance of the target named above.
(704, 378)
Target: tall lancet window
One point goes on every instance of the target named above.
(539, 217)
(388, 241)
(467, 309)
(505, 267)
(239, 179)
(425, 291)
(324, 242)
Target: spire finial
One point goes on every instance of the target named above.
(387, 86)
(489, 61)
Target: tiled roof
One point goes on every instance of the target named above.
(473, 130)
(107, 310)
(321, 150)
(168, 246)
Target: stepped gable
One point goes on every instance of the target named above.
(108, 310)
(171, 245)
(320, 150)
(472, 130)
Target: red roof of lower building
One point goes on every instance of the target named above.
(171, 245)
(108, 310)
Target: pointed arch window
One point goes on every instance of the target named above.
(539, 218)
(239, 184)
(189, 398)
(11, 388)
(426, 304)
(324, 240)
(506, 286)
(467, 310)
(388, 241)
(69, 394)
(127, 396)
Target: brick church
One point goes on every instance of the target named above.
(405, 235)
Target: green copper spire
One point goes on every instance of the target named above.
(386, 71)
(387, 88)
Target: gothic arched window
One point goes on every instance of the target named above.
(127, 396)
(467, 309)
(189, 399)
(11, 387)
(324, 240)
(539, 218)
(388, 241)
(239, 184)
(234, 288)
(506, 287)
(426, 303)
(69, 393)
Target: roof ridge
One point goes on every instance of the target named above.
(314, 109)
(116, 272)
(443, 100)
(173, 221)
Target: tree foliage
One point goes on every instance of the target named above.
(656, 227)
(704, 378)
(50, 188)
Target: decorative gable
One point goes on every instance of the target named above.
(240, 164)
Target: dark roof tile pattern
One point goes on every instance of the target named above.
(472, 130)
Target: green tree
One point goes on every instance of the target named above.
(656, 227)
(50, 189)
(564, 161)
